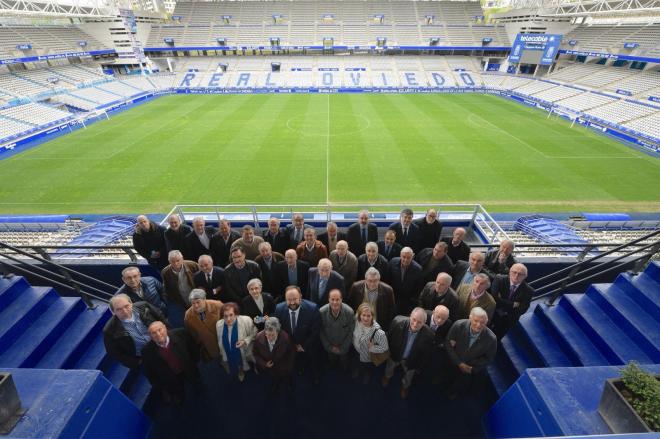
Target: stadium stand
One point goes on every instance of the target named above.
(45, 39)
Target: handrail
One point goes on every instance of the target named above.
(581, 263)
(65, 273)
(633, 252)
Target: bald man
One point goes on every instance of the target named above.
(513, 296)
(149, 242)
(170, 360)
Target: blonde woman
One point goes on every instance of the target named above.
(368, 339)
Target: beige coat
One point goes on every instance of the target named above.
(246, 331)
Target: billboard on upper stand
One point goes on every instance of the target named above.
(535, 49)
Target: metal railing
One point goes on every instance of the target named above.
(343, 214)
(41, 266)
(638, 251)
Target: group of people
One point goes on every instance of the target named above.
(294, 301)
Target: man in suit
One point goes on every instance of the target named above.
(371, 258)
(434, 260)
(410, 342)
(198, 242)
(302, 322)
(475, 295)
(439, 321)
(276, 236)
(407, 233)
(377, 293)
(331, 236)
(471, 346)
(464, 272)
(170, 361)
(457, 249)
(149, 242)
(406, 280)
(360, 233)
(139, 288)
(296, 230)
(512, 296)
(178, 279)
(500, 261)
(248, 242)
(175, 235)
(291, 272)
(311, 250)
(388, 247)
(322, 280)
(221, 243)
(439, 292)
(237, 276)
(267, 261)
(430, 229)
(200, 320)
(345, 263)
(126, 333)
(209, 278)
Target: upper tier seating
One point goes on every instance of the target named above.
(44, 40)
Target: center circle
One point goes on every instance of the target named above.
(318, 125)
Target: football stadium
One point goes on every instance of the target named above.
(329, 219)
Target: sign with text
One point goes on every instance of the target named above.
(535, 49)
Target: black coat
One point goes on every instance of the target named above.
(429, 234)
(445, 265)
(235, 289)
(428, 299)
(459, 253)
(217, 280)
(420, 352)
(279, 242)
(323, 237)
(460, 268)
(395, 251)
(194, 247)
(249, 308)
(440, 332)
(220, 250)
(354, 237)
(335, 281)
(505, 314)
(176, 239)
(411, 240)
(406, 290)
(493, 266)
(151, 244)
(268, 275)
(119, 344)
(282, 276)
(381, 265)
(159, 373)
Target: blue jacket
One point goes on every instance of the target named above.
(308, 325)
(152, 290)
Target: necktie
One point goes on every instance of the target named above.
(387, 250)
(298, 235)
(202, 316)
(364, 235)
(405, 231)
(208, 279)
(293, 321)
(512, 290)
(322, 285)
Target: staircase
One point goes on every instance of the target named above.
(40, 329)
(611, 324)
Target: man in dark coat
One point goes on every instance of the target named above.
(377, 293)
(126, 333)
(457, 249)
(471, 346)
(360, 233)
(176, 233)
(291, 271)
(410, 342)
(209, 278)
(237, 276)
(430, 229)
(433, 261)
(221, 243)
(513, 296)
(406, 280)
(149, 242)
(198, 242)
(170, 361)
(276, 236)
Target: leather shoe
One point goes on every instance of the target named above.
(404, 393)
(385, 381)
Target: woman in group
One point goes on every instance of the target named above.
(274, 353)
(368, 338)
(258, 305)
(235, 336)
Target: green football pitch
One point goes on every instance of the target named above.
(330, 149)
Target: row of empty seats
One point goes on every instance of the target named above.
(35, 114)
(310, 12)
(611, 39)
(608, 78)
(310, 35)
(44, 40)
